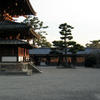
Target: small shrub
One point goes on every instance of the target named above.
(90, 61)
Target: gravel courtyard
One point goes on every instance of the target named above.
(52, 84)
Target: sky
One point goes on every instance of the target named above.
(83, 15)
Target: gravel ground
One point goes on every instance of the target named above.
(52, 84)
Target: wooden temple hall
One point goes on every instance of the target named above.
(15, 37)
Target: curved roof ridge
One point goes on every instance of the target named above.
(30, 6)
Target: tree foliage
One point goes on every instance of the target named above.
(75, 47)
(65, 31)
(42, 42)
(58, 44)
(62, 45)
(90, 60)
(39, 27)
(65, 44)
(36, 24)
(66, 36)
(93, 44)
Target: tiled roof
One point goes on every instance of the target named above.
(89, 51)
(15, 42)
(40, 51)
(48, 50)
(17, 7)
(7, 27)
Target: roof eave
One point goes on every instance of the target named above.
(34, 33)
(31, 9)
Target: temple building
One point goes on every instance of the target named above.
(16, 8)
(15, 37)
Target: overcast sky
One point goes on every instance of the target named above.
(83, 15)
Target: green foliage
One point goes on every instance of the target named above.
(93, 60)
(39, 27)
(58, 44)
(65, 32)
(90, 61)
(74, 47)
(66, 35)
(42, 42)
(93, 44)
(62, 45)
(36, 24)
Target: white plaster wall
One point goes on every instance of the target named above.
(9, 59)
(20, 58)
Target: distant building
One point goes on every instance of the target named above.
(46, 56)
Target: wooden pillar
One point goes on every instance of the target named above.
(17, 54)
(24, 58)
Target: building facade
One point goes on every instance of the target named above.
(15, 37)
(46, 56)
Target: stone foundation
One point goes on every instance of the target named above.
(16, 68)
